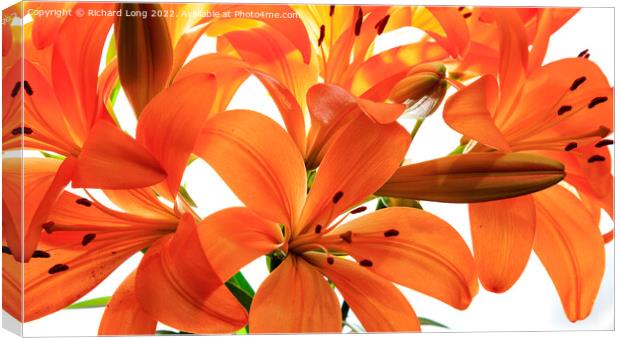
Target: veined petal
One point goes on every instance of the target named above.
(45, 27)
(270, 180)
(176, 284)
(295, 298)
(378, 304)
(474, 177)
(405, 244)
(455, 28)
(124, 315)
(234, 237)
(356, 164)
(570, 246)
(144, 53)
(111, 159)
(470, 112)
(503, 236)
(171, 123)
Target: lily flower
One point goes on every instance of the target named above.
(305, 232)
(562, 110)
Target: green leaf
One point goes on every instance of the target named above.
(310, 175)
(244, 330)
(91, 303)
(430, 322)
(50, 155)
(386, 202)
(458, 150)
(111, 53)
(241, 289)
(168, 332)
(183, 192)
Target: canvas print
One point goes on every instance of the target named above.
(246, 168)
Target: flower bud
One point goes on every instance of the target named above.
(474, 177)
(422, 90)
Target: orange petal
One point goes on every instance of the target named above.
(455, 28)
(144, 53)
(378, 304)
(234, 237)
(549, 20)
(176, 284)
(285, 299)
(570, 246)
(124, 315)
(270, 180)
(355, 166)
(111, 159)
(45, 27)
(469, 112)
(75, 64)
(503, 236)
(404, 244)
(171, 123)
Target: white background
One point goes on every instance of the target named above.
(531, 305)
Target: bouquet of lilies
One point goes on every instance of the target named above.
(328, 197)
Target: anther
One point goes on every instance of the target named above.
(27, 88)
(317, 229)
(603, 143)
(40, 254)
(332, 8)
(596, 158)
(330, 260)
(587, 56)
(20, 130)
(461, 8)
(358, 210)
(391, 233)
(577, 82)
(6, 250)
(570, 146)
(358, 22)
(467, 15)
(58, 268)
(322, 35)
(366, 262)
(48, 227)
(16, 88)
(87, 239)
(596, 101)
(380, 26)
(347, 236)
(564, 109)
(84, 202)
(337, 197)
(583, 53)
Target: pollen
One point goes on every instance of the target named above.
(596, 158)
(577, 83)
(570, 146)
(358, 210)
(84, 202)
(27, 88)
(58, 268)
(603, 143)
(583, 53)
(366, 263)
(41, 254)
(322, 35)
(332, 8)
(564, 109)
(380, 26)
(358, 22)
(596, 101)
(317, 229)
(330, 260)
(16, 89)
(337, 197)
(467, 15)
(20, 130)
(87, 239)
(391, 233)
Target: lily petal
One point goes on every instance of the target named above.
(503, 236)
(270, 180)
(404, 244)
(470, 112)
(171, 123)
(176, 284)
(124, 315)
(570, 246)
(291, 292)
(378, 304)
(355, 166)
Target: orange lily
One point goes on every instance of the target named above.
(280, 217)
(561, 110)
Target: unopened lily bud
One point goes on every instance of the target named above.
(422, 90)
(474, 177)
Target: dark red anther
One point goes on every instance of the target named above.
(337, 197)
(40, 254)
(347, 236)
(332, 9)
(317, 229)
(84, 202)
(570, 146)
(596, 101)
(380, 26)
(583, 53)
(58, 268)
(604, 143)
(578, 81)
(322, 35)
(87, 239)
(358, 210)
(564, 109)
(467, 15)
(330, 260)
(27, 88)
(391, 233)
(358, 22)
(366, 263)
(16, 89)
(596, 158)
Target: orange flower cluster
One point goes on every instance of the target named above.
(533, 165)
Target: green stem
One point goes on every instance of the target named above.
(417, 126)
